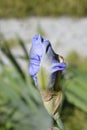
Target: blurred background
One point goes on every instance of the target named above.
(64, 23)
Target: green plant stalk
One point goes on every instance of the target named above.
(60, 124)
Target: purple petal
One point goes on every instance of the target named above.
(36, 48)
(36, 53)
(42, 48)
(58, 66)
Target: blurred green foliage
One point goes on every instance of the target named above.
(77, 61)
(21, 106)
(20, 103)
(74, 118)
(76, 81)
(11, 43)
(22, 8)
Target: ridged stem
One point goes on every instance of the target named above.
(60, 124)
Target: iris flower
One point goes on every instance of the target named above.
(44, 61)
(42, 55)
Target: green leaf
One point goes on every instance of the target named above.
(10, 56)
(75, 88)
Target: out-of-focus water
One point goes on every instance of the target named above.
(65, 33)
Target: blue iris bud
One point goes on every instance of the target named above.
(43, 56)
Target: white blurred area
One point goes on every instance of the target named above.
(65, 33)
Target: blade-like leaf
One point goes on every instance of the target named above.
(10, 56)
(75, 88)
(21, 43)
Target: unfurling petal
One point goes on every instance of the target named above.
(43, 56)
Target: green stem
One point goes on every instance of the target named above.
(60, 124)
